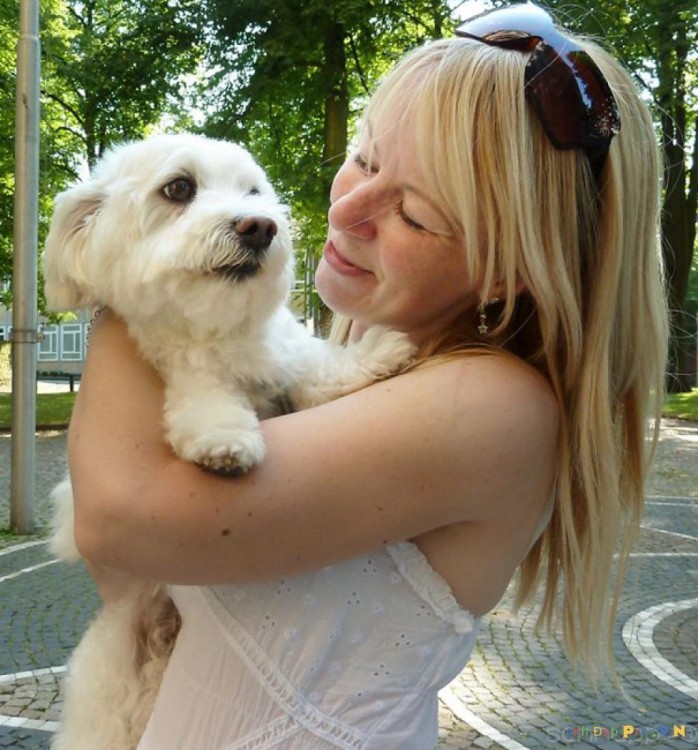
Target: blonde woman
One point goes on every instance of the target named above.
(501, 208)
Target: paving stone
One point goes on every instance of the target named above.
(24, 739)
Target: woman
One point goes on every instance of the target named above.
(501, 208)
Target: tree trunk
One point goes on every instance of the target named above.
(336, 96)
(677, 224)
(677, 257)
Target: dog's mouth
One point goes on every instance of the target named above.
(237, 271)
(250, 238)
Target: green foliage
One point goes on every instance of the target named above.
(658, 41)
(9, 22)
(59, 149)
(117, 64)
(289, 82)
(288, 79)
(110, 69)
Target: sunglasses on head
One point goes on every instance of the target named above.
(568, 92)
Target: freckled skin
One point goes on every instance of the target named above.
(392, 258)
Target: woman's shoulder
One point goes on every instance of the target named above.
(493, 418)
(496, 387)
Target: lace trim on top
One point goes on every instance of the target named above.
(269, 735)
(416, 569)
(278, 687)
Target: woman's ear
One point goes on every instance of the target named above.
(67, 282)
(498, 291)
(520, 287)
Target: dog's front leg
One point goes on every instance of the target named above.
(212, 425)
(334, 371)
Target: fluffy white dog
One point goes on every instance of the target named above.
(185, 239)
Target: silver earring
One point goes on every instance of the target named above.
(483, 328)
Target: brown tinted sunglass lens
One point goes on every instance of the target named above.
(553, 91)
(597, 97)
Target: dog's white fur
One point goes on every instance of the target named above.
(184, 238)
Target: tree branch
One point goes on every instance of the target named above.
(80, 136)
(357, 62)
(61, 103)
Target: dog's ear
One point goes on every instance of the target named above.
(68, 285)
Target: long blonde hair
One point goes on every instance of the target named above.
(593, 316)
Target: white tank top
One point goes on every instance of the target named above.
(350, 656)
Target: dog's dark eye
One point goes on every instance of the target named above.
(180, 190)
(254, 191)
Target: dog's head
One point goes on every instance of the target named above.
(172, 221)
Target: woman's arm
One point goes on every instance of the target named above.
(111, 584)
(461, 441)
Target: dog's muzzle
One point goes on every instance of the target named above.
(253, 235)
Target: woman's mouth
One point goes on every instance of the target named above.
(339, 263)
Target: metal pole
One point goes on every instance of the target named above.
(24, 307)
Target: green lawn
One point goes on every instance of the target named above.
(682, 405)
(55, 408)
(52, 409)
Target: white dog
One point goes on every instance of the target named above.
(184, 238)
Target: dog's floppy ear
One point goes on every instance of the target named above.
(68, 285)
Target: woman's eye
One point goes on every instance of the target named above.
(180, 190)
(408, 219)
(363, 165)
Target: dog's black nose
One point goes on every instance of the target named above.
(256, 232)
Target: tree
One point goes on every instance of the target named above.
(290, 78)
(658, 41)
(118, 64)
(56, 158)
(110, 69)
(9, 22)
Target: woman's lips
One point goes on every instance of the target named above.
(339, 263)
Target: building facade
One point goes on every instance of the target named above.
(62, 346)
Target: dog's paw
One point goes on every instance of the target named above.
(383, 351)
(226, 452)
(216, 431)
(345, 369)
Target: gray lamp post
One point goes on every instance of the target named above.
(24, 307)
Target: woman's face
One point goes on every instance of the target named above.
(391, 258)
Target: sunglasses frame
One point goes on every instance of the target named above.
(567, 90)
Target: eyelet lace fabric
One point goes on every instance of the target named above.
(350, 656)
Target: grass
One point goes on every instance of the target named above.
(682, 405)
(54, 409)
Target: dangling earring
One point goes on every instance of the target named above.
(483, 328)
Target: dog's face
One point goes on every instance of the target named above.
(174, 222)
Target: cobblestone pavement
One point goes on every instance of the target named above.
(518, 692)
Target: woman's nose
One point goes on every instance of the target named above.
(356, 204)
(351, 214)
